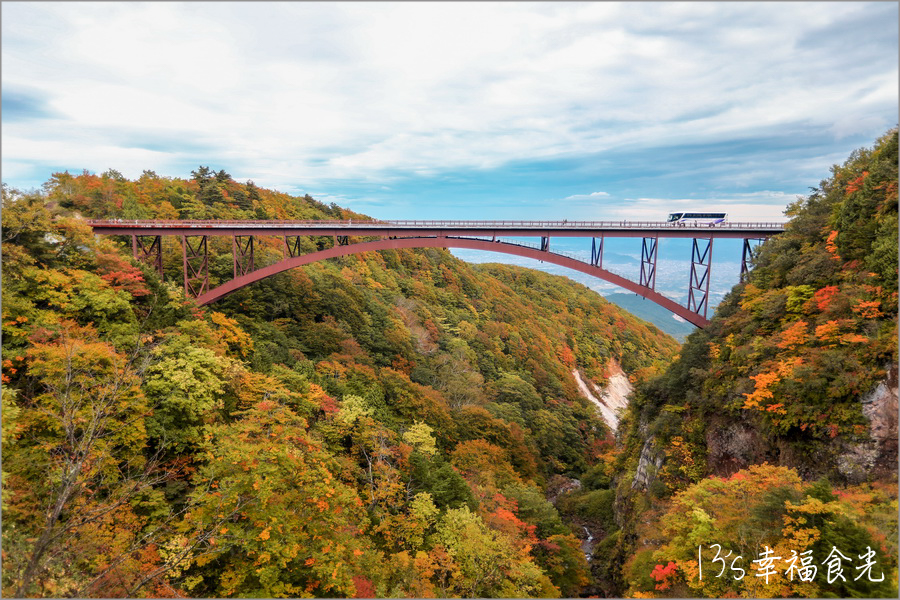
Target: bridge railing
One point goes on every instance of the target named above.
(504, 224)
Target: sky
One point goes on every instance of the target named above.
(456, 110)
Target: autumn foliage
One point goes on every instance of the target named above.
(403, 424)
(766, 421)
(378, 425)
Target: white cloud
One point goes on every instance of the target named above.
(767, 206)
(591, 196)
(304, 92)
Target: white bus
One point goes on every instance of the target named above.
(696, 218)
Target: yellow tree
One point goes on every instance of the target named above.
(284, 524)
(85, 461)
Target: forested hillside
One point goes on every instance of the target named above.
(405, 424)
(386, 424)
(777, 425)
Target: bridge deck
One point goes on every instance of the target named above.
(439, 228)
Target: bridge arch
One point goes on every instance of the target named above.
(446, 243)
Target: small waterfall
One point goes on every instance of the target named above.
(587, 545)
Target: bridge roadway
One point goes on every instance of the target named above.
(440, 228)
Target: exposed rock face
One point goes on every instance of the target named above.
(560, 485)
(878, 456)
(648, 465)
(857, 461)
(880, 407)
(732, 446)
(610, 400)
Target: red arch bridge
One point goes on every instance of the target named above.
(350, 237)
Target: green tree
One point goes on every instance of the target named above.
(187, 384)
(286, 526)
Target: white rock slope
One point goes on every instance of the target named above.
(612, 399)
